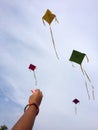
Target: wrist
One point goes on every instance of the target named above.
(32, 105)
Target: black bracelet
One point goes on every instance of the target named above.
(28, 105)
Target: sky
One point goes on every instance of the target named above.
(25, 40)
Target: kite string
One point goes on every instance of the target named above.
(53, 42)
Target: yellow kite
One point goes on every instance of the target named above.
(49, 17)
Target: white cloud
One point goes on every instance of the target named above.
(25, 40)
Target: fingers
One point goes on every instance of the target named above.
(36, 96)
(37, 91)
(33, 91)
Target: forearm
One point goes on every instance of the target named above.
(26, 122)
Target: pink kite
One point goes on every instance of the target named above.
(33, 67)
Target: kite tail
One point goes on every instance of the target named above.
(87, 58)
(87, 76)
(73, 64)
(93, 93)
(75, 109)
(43, 22)
(56, 20)
(35, 78)
(53, 42)
(83, 72)
(91, 84)
(87, 90)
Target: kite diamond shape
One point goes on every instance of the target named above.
(77, 57)
(76, 101)
(32, 67)
(48, 16)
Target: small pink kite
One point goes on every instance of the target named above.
(75, 101)
(33, 67)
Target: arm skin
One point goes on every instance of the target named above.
(26, 121)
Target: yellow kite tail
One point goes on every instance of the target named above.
(53, 42)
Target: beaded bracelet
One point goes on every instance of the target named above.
(28, 105)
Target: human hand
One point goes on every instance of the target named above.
(36, 97)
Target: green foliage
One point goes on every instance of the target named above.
(3, 127)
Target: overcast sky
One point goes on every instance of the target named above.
(24, 40)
